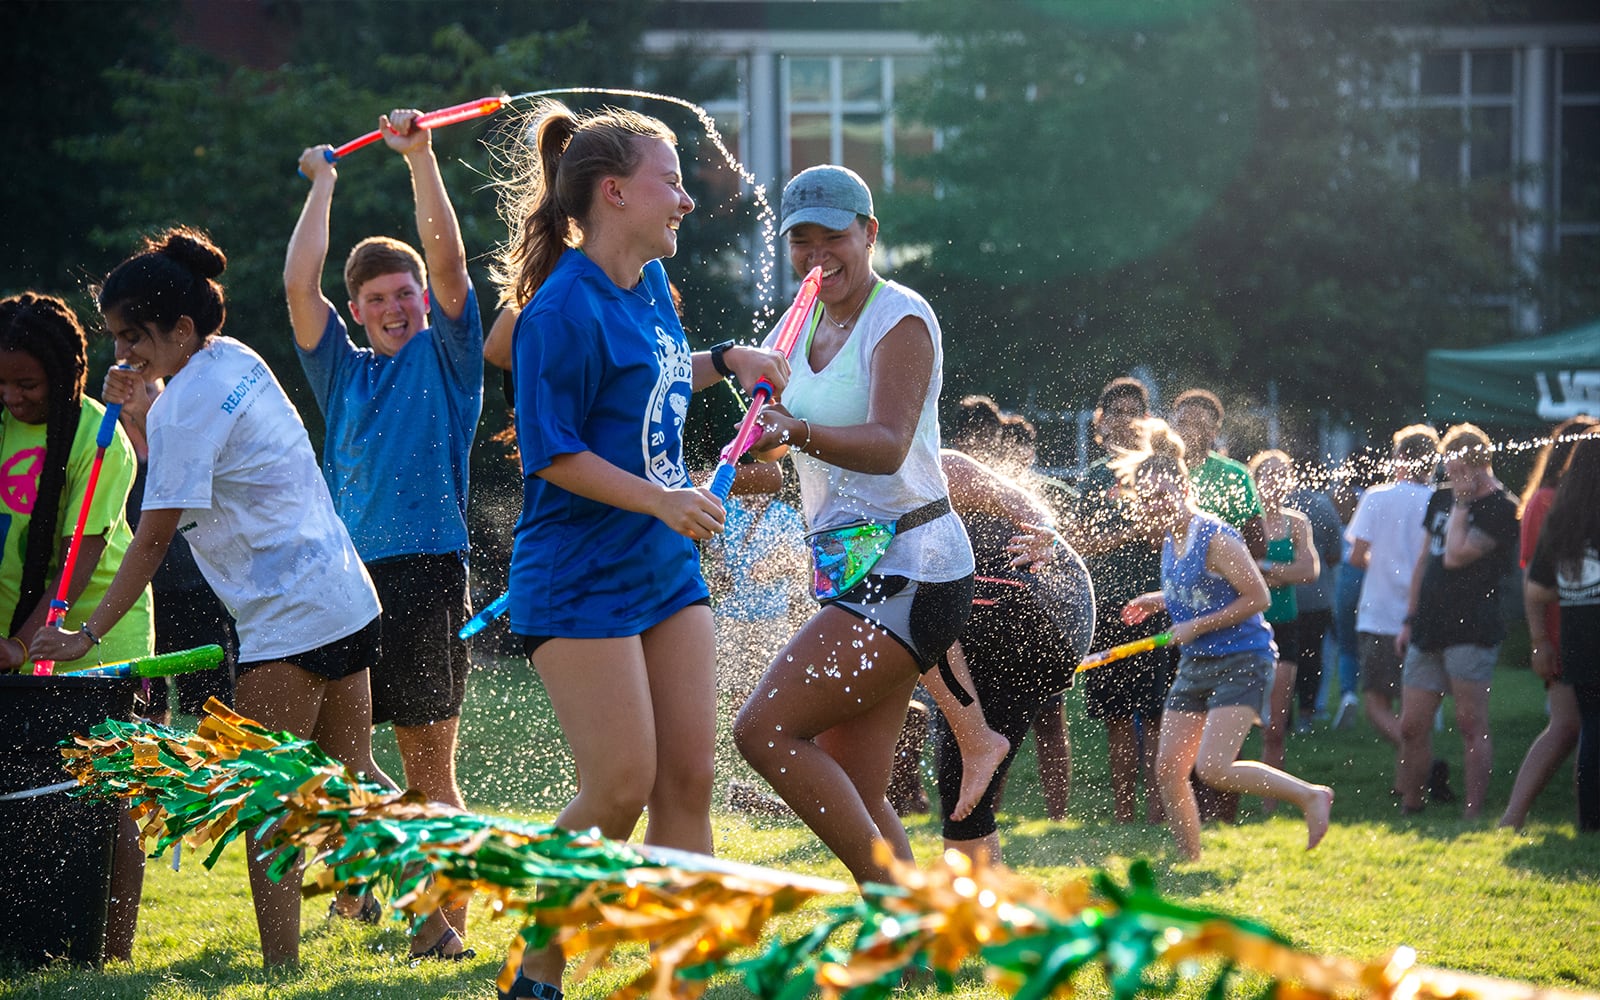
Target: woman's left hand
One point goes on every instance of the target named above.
(752, 364)
(1034, 547)
(778, 429)
(1184, 633)
(58, 644)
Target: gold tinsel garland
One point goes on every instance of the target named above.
(701, 916)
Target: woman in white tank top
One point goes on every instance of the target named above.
(860, 419)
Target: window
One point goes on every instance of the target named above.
(1576, 267)
(1468, 102)
(839, 109)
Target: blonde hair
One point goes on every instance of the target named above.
(551, 182)
(1261, 458)
(1160, 450)
(1468, 443)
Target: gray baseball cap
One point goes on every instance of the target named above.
(830, 196)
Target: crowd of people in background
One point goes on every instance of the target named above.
(949, 577)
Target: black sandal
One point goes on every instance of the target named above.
(437, 952)
(530, 989)
(370, 912)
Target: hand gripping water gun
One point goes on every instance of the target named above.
(58, 607)
(184, 661)
(749, 430)
(1125, 650)
(480, 108)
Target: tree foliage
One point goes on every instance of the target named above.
(1220, 191)
(178, 135)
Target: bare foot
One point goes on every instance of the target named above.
(977, 770)
(1317, 811)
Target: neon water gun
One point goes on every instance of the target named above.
(749, 430)
(482, 107)
(1125, 650)
(184, 661)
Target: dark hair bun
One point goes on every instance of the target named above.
(193, 249)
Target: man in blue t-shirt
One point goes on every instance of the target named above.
(400, 414)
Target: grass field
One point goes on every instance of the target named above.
(1465, 895)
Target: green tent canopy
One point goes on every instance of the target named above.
(1522, 383)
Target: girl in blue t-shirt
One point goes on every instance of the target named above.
(605, 583)
(1215, 594)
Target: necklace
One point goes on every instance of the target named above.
(866, 294)
(644, 295)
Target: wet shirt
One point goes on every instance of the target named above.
(1193, 591)
(228, 449)
(602, 369)
(399, 432)
(1457, 607)
(837, 396)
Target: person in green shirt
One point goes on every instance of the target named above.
(1222, 486)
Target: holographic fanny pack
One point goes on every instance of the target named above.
(844, 556)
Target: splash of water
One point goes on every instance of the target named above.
(767, 218)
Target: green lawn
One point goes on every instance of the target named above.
(1466, 896)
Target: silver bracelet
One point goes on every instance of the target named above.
(802, 445)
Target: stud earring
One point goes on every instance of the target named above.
(621, 203)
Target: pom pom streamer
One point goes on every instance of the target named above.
(701, 916)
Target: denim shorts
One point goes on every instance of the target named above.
(1434, 669)
(1207, 682)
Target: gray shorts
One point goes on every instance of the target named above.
(1380, 664)
(1207, 682)
(1434, 669)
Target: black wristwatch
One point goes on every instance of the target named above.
(717, 351)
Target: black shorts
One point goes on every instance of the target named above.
(925, 618)
(422, 675)
(1286, 636)
(336, 660)
(533, 642)
(1133, 686)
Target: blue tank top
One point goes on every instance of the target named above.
(1192, 590)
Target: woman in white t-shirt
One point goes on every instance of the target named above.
(860, 419)
(231, 467)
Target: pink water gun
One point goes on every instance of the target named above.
(749, 430)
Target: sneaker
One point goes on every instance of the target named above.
(1439, 789)
(1345, 715)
